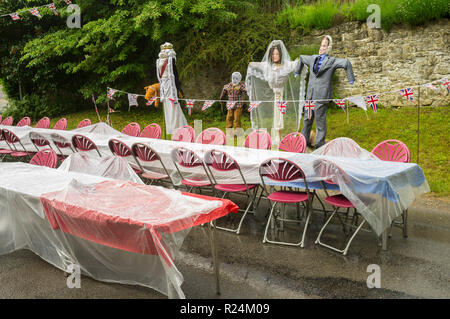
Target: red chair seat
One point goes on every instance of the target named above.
(195, 182)
(234, 187)
(19, 154)
(152, 175)
(137, 170)
(288, 197)
(4, 151)
(339, 201)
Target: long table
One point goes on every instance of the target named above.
(379, 190)
(115, 230)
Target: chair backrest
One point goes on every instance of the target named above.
(392, 150)
(84, 144)
(186, 158)
(8, 121)
(294, 142)
(0, 119)
(342, 146)
(212, 135)
(280, 170)
(60, 141)
(259, 139)
(38, 139)
(119, 148)
(184, 134)
(10, 137)
(43, 123)
(220, 161)
(132, 129)
(330, 170)
(24, 121)
(46, 157)
(144, 152)
(61, 124)
(83, 123)
(151, 131)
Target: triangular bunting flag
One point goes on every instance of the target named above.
(309, 108)
(67, 1)
(150, 101)
(358, 101)
(172, 101)
(408, 94)
(446, 83)
(111, 93)
(253, 105)
(207, 104)
(15, 16)
(431, 86)
(132, 99)
(373, 100)
(35, 12)
(189, 105)
(230, 105)
(340, 103)
(53, 8)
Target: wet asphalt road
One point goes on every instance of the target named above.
(413, 267)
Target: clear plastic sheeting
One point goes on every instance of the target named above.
(344, 147)
(98, 128)
(116, 231)
(107, 166)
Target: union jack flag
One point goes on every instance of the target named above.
(207, 104)
(110, 110)
(132, 99)
(67, 1)
(253, 105)
(431, 86)
(111, 93)
(340, 103)
(189, 105)
(53, 8)
(150, 101)
(282, 106)
(446, 83)
(408, 94)
(230, 105)
(15, 16)
(35, 12)
(309, 108)
(373, 101)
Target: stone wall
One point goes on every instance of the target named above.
(382, 62)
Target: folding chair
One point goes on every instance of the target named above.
(43, 123)
(24, 121)
(184, 134)
(151, 131)
(46, 157)
(8, 121)
(146, 154)
(84, 144)
(61, 124)
(119, 148)
(259, 139)
(38, 140)
(4, 151)
(83, 123)
(343, 147)
(395, 151)
(326, 168)
(293, 142)
(12, 139)
(285, 171)
(61, 143)
(212, 135)
(188, 160)
(132, 129)
(222, 162)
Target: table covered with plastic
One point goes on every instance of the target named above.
(115, 230)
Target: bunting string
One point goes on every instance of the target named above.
(35, 10)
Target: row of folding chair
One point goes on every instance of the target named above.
(44, 122)
(151, 131)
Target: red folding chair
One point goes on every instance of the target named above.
(61, 143)
(43, 123)
(8, 121)
(395, 151)
(61, 124)
(343, 147)
(326, 168)
(259, 139)
(119, 148)
(282, 170)
(4, 151)
(219, 161)
(83, 123)
(38, 140)
(151, 131)
(184, 134)
(46, 157)
(294, 142)
(12, 139)
(189, 161)
(146, 154)
(212, 135)
(24, 121)
(84, 144)
(132, 129)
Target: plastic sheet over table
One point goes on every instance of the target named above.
(116, 231)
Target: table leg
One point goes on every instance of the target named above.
(212, 230)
